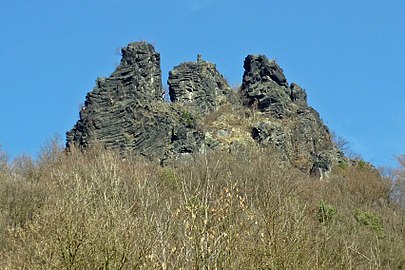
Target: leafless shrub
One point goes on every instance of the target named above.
(398, 178)
(95, 210)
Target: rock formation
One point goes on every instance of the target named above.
(126, 111)
(287, 122)
(265, 86)
(200, 85)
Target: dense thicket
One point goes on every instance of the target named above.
(217, 211)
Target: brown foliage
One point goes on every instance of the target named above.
(219, 211)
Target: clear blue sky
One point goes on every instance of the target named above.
(348, 55)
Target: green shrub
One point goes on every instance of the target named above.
(361, 163)
(370, 220)
(326, 213)
(188, 118)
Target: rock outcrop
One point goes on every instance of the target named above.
(287, 122)
(200, 85)
(265, 86)
(127, 112)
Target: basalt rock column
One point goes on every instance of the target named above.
(200, 85)
(126, 111)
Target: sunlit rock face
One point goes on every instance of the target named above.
(127, 112)
(200, 85)
(287, 123)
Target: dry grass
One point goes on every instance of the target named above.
(222, 211)
(228, 125)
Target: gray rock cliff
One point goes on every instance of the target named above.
(127, 112)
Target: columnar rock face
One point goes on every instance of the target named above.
(126, 111)
(199, 84)
(138, 75)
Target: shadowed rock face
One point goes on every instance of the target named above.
(200, 85)
(126, 111)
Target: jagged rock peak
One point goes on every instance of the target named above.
(298, 95)
(265, 86)
(131, 53)
(140, 70)
(111, 110)
(199, 84)
(264, 70)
